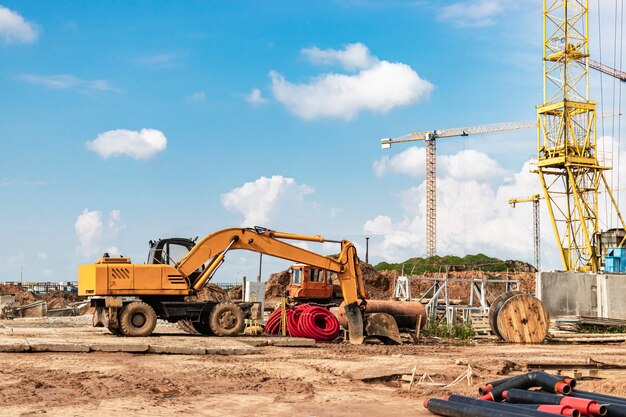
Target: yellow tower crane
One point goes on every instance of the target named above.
(536, 225)
(567, 156)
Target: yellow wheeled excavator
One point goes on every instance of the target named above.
(128, 298)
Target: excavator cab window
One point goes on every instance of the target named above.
(169, 251)
(316, 275)
(296, 276)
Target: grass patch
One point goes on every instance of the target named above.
(441, 329)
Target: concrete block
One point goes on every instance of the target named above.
(568, 293)
(177, 350)
(14, 345)
(120, 347)
(50, 345)
(231, 350)
(291, 342)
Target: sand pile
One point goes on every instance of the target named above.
(276, 285)
(235, 293)
(10, 289)
(210, 292)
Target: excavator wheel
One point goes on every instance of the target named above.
(187, 326)
(137, 319)
(226, 319)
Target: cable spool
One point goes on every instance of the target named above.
(516, 317)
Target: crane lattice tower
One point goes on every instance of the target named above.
(571, 174)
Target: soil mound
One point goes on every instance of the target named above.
(235, 293)
(210, 292)
(10, 289)
(276, 285)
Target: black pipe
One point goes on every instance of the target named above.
(585, 406)
(601, 398)
(615, 406)
(454, 409)
(551, 383)
(515, 408)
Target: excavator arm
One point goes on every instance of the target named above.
(211, 250)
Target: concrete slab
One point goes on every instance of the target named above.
(14, 345)
(52, 345)
(231, 350)
(177, 350)
(129, 347)
(259, 341)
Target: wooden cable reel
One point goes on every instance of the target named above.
(516, 317)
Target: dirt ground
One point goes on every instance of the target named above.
(327, 380)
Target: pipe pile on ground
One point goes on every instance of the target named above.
(518, 396)
(305, 320)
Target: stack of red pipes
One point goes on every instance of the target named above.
(305, 320)
(513, 397)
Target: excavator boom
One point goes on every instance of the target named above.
(211, 250)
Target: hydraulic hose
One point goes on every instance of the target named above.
(305, 320)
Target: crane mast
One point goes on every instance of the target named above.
(567, 159)
(430, 137)
(536, 225)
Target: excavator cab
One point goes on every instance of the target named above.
(311, 284)
(169, 251)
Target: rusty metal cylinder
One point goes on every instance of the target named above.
(406, 313)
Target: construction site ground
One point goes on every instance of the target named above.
(242, 376)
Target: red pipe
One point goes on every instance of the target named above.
(305, 321)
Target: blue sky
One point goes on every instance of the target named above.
(131, 121)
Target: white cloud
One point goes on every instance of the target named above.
(472, 13)
(114, 223)
(464, 165)
(197, 97)
(411, 161)
(42, 255)
(138, 145)
(378, 86)
(255, 97)
(158, 61)
(355, 56)
(260, 200)
(472, 210)
(88, 228)
(14, 29)
(18, 182)
(112, 251)
(69, 82)
(92, 234)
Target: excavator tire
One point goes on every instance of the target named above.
(137, 319)
(226, 319)
(187, 326)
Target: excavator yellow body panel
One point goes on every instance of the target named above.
(124, 278)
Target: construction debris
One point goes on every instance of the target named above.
(589, 323)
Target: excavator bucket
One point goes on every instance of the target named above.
(383, 327)
(355, 323)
